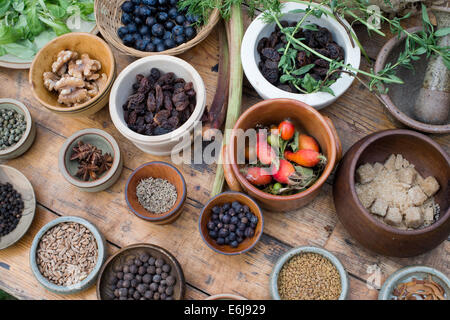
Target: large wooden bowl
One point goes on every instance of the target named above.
(429, 160)
(273, 111)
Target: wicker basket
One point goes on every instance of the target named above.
(108, 15)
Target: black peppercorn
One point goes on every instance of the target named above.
(170, 280)
(156, 278)
(166, 268)
(151, 261)
(159, 263)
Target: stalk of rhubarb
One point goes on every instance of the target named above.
(235, 33)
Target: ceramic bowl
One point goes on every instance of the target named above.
(306, 118)
(406, 274)
(162, 145)
(400, 99)
(28, 136)
(219, 200)
(295, 251)
(259, 29)
(21, 184)
(121, 257)
(82, 43)
(103, 141)
(428, 158)
(225, 296)
(84, 284)
(162, 170)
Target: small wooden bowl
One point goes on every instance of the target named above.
(22, 185)
(428, 158)
(156, 169)
(221, 199)
(104, 289)
(82, 43)
(108, 15)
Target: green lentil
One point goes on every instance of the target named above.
(12, 128)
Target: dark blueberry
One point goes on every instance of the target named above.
(132, 28)
(138, 20)
(220, 241)
(173, 2)
(223, 233)
(178, 30)
(145, 11)
(246, 209)
(234, 244)
(147, 37)
(144, 30)
(169, 43)
(232, 228)
(126, 18)
(253, 225)
(190, 33)
(239, 239)
(216, 210)
(128, 40)
(149, 2)
(180, 39)
(231, 212)
(173, 13)
(232, 236)
(157, 30)
(186, 24)
(242, 226)
(220, 225)
(249, 232)
(227, 240)
(167, 35)
(150, 21)
(180, 19)
(162, 16)
(142, 44)
(244, 220)
(254, 219)
(191, 18)
(211, 225)
(221, 215)
(226, 219)
(213, 234)
(226, 207)
(137, 37)
(234, 220)
(122, 32)
(127, 6)
(136, 10)
(169, 25)
(162, 2)
(150, 47)
(160, 47)
(215, 216)
(137, 2)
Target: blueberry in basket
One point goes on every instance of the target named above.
(155, 25)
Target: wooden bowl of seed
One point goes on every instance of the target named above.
(308, 273)
(75, 246)
(156, 192)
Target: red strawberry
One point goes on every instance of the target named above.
(305, 158)
(258, 176)
(306, 142)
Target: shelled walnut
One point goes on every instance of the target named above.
(76, 78)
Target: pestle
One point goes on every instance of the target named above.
(433, 102)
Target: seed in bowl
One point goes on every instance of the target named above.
(75, 78)
(309, 276)
(67, 254)
(160, 103)
(156, 195)
(11, 208)
(12, 127)
(92, 162)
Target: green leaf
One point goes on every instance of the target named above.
(309, 83)
(311, 27)
(442, 32)
(327, 89)
(34, 24)
(294, 143)
(286, 77)
(4, 7)
(420, 51)
(19, 5)
(9, 34)
(23, 49)
(56, 11)
(303, 69)
(58, 26)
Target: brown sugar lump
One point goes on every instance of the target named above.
(398, 162)
(365, 173)
(428, 215)
(365, 195)
(390, 162)
(406, 175)
(417, 196)
(378, 167)
(393, 217)
(413, 217)
(429, 186)
(379, 207)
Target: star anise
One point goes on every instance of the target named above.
(92, 161)
(106, 163)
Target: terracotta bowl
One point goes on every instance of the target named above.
(221, 199)
(429, 160)
(306, 118)
(156, 169)
(104, 290)
(81, 43)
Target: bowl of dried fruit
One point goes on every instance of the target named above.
(141, 272)
(73, 74)
(155, 103)
(308, 273)
(416, 283)
(316, 79)
(74, 245)
(90, 159)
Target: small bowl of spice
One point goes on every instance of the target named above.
(90, 159)
(416, 283)
(156, 192)
(74, 245)
(308, 273)
(17, 130)
(231, 223)
(141, 272)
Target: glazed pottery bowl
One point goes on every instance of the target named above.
(258, 29)
(407, 274)
(295, 251)
(401, 98)
(100, 139)
(121, 257)
(90, 279)
(28, 136)
(308, 120)
(21, 184)
(428, 158)
(97, 49)
(225, 296)
(219, 200)
(162, 170)
(165, 144)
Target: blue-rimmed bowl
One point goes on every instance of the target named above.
(407, 274)
(162, 170)
(300, 250)
(86, 283)
(220, 200)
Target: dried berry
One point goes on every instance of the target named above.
(271, 54)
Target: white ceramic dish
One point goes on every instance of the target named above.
(250, 57)
(162, 145)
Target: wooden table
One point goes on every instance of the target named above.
(355, 115)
